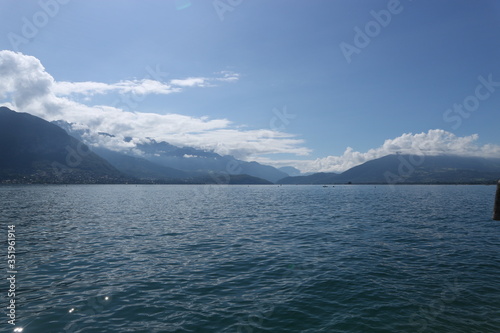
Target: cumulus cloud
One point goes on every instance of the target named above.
(23, 79)
(27, 87)
(434, 142)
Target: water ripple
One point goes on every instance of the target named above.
(255, 259)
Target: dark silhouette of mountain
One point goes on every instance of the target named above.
(148, 171)
(411, 169)
(33, 150)
(192, 159)
(194, 162)
(258, 170)
(141, 168)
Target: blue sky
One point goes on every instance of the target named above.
(240, 63)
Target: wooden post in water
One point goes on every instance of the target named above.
(496, 209)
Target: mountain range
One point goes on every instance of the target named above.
(411, 169)
(33, 150)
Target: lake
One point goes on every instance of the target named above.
(194, 258)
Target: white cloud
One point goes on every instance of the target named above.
(434, 142)
(27, 87)
(23, 78)
(226, 76)
(190, 82)
(138, 87)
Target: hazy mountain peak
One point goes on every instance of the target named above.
(34, 150)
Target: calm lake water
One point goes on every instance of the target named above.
(126, 258)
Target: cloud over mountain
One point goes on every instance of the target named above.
(434, 142)
(26, 86)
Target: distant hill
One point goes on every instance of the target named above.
(190, 160)
(139, 167)
(33, 150)
(291, 171)
(411, 169)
